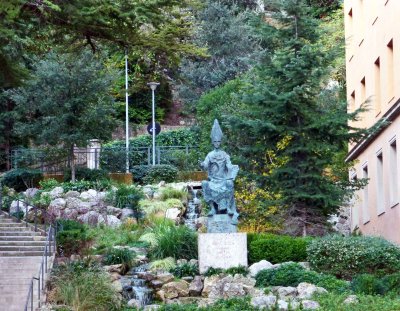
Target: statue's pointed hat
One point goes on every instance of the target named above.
(216, 132)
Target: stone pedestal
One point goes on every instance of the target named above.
(222, 250)
(220, 223)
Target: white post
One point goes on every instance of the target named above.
(153, 86)
(126, 114)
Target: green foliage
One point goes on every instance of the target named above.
(84, 173)
(232, 271)
(83, 286)
(84, 185)
(157, 173)
(72, 237)
(233, 304)
(48, 184)
(392, 283)
(292, 274)
(21, 179)
(185, 269)
(277, 248)
(346, 257)
(178, 242)
(368, 284)
(122, 256)
(128, 196)
(165, 264)
(171, 193)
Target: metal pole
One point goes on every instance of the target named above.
(126, 113)
(153, 126)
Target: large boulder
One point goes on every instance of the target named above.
(209, 283)
(18, 206)
(91, 218)
(58, 204)
(73, 202)
(111, 221)
(165, 277)
(310, 305)
(70, 214)
(288, 292)
(30, 193)
(126, 213)
(172, 213)
(307, 290)
(258, 266)
(263, 302)
(57, 192)
(229, 287)
(196, 286)
(176, 289)
(111, 210)
(72, 194)
(89, 195)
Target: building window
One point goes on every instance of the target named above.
(353, 101)
(393, 179)
(380, 205)
(377, 73)
(390, 71)
(365, 211)
(363, 91)
(354, 206)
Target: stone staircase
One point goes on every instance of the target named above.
(21, 251)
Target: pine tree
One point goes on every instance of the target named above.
(293, 113)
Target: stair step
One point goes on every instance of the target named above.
(11, 224)
(13, 233)
(23, 238)
(15, 228)
(20, 253)
(21, 248)
(22, 243)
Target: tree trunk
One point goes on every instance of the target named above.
(72, 157)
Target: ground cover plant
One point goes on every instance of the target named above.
(72, 237)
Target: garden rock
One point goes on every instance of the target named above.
(176, 289)
(194, 262)
(114, 268)
(111, 210)
(283, 305)
(18, 206)
(134, 303)
(111, 221)
(230, 287)
(196, 286)
(172, 213)
(58, 204)
(148, 191)
(165, 277)
(56, 192)
(117, 285)
(70, 214)
(287, 292)
(30, 192)
(91, 218)
(263, 302)
(73, 202)
(188, 279)
(351, 299)
(258, 266)
(156, 283)
(126, 213)
(115, 276)
(89, 195)
(310, 305)
(72, 194)
(209, 283)
(306, 290)
(152, 307)
(305, 265)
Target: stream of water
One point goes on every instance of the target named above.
(136, 288)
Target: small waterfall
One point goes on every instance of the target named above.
(135, 287)
(193, 209)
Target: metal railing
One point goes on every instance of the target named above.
(45, 265)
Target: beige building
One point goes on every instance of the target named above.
(373, 76)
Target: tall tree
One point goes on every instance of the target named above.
(223, 28)
(67, 102)
(292, 112)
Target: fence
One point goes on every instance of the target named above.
(110, 159)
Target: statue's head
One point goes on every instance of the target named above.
(216, 135)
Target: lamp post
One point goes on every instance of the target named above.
(153, 86)
(126, 113)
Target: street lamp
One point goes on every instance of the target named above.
(126, 113)
(153, 86)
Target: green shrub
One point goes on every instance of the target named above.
(173, 241)
(167, 173)
(165, 264)
(292, 274)
(232, 271)
(84, 185)
(71, 237)
(171, 193)
(128, 196)
(346, 257)
(122, 256)
(48, 184)
(185, 269)
(82, 286)
(21, 179)
(277, 248)
(368, 284)
(139, 172)
(213, 271)
(392, 283)
(84, 173)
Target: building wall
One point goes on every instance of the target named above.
(372, 73)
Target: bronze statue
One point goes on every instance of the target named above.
(218, 190)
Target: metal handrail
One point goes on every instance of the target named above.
(50, 250)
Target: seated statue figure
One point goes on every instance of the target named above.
(218, 190)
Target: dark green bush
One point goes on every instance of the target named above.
(21, 179)
(122, 256)
(157, 173)
(185, 269)
(277, 248)
(232, 271)
(346, 257)
(392, 282)
(84, 185)
(368, 284)
(173, 241)
(213, 271)
(71, 237)
(139, 172)
(171, 193)
(292, 274)
(84, 173)
(128, 196)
